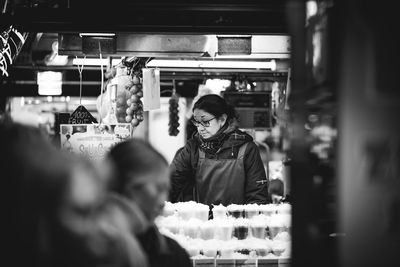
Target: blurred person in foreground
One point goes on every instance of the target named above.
(220, 164)
(141, 179)
(52, 201)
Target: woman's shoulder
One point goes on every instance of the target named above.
(186, 152)
(182, 258)
(239, 137)
(190, 145)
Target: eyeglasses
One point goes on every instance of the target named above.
(203, 123)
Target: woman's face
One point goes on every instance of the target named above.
(150, 191)
(206, 123)
(84, 194)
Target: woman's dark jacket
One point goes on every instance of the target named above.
(185, 162)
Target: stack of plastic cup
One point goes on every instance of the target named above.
(171, 223)
(193, 250)
(207, 230)
(191, 228)
(268, 209)
(223, 230)
(279, 247)
(169, 209)
(251, 210)
(210, 248)
(220, 212)
(258, 226)
(226, 252)
(276, 225)
(258, 230)
(241, 228)
(201, 212)
(236, 211)
(185, 212)
(284, 208)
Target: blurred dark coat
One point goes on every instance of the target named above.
(163, 251)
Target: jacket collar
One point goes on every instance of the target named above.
(236, 137)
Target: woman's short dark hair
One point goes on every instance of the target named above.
(215, 105)
(131, 159)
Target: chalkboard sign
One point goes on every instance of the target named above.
(81, 116)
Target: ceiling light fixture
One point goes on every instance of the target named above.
(203, 64)
(94, 61)
(96, 34)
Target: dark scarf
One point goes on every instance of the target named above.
(213, 144)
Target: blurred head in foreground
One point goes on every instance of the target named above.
(141, 174)
(50, 200)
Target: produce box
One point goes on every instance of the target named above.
(284, 262)
(268, 263)
(225, 263)
(204, 263)
(246, 263)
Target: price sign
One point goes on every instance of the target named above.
(81, 116)
(93, 140)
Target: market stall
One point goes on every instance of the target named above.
(235, 235)
(128, 94)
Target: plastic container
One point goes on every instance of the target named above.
(284, 208)
(185, 214)
(173, 228)
(278, 223)
(268, 209)
(251, 210)
(202, 212)
(226, 252)
(191, 230)
(236, 211)
(220, 212)
(186, 210)
(168, 209)
(207, 230)
(275, 230)
(210, 252)
(258, 231)
(262, 252)
(223, 231)
(193, 251)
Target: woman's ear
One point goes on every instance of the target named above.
(131, 190)
(223, 119)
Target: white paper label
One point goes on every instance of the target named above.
(151, 89)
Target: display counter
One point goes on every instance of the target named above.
(280, 262)
(236, 235)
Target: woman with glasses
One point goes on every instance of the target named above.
(220, 164)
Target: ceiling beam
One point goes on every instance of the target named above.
(223, 17)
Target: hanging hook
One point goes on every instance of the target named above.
(102, 81)
(80, 69)
(135, 62)
(147, 61)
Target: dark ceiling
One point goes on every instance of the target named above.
(44, 20)
(190, 16)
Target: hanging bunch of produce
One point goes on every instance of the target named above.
(173, 113)
(121, 101)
